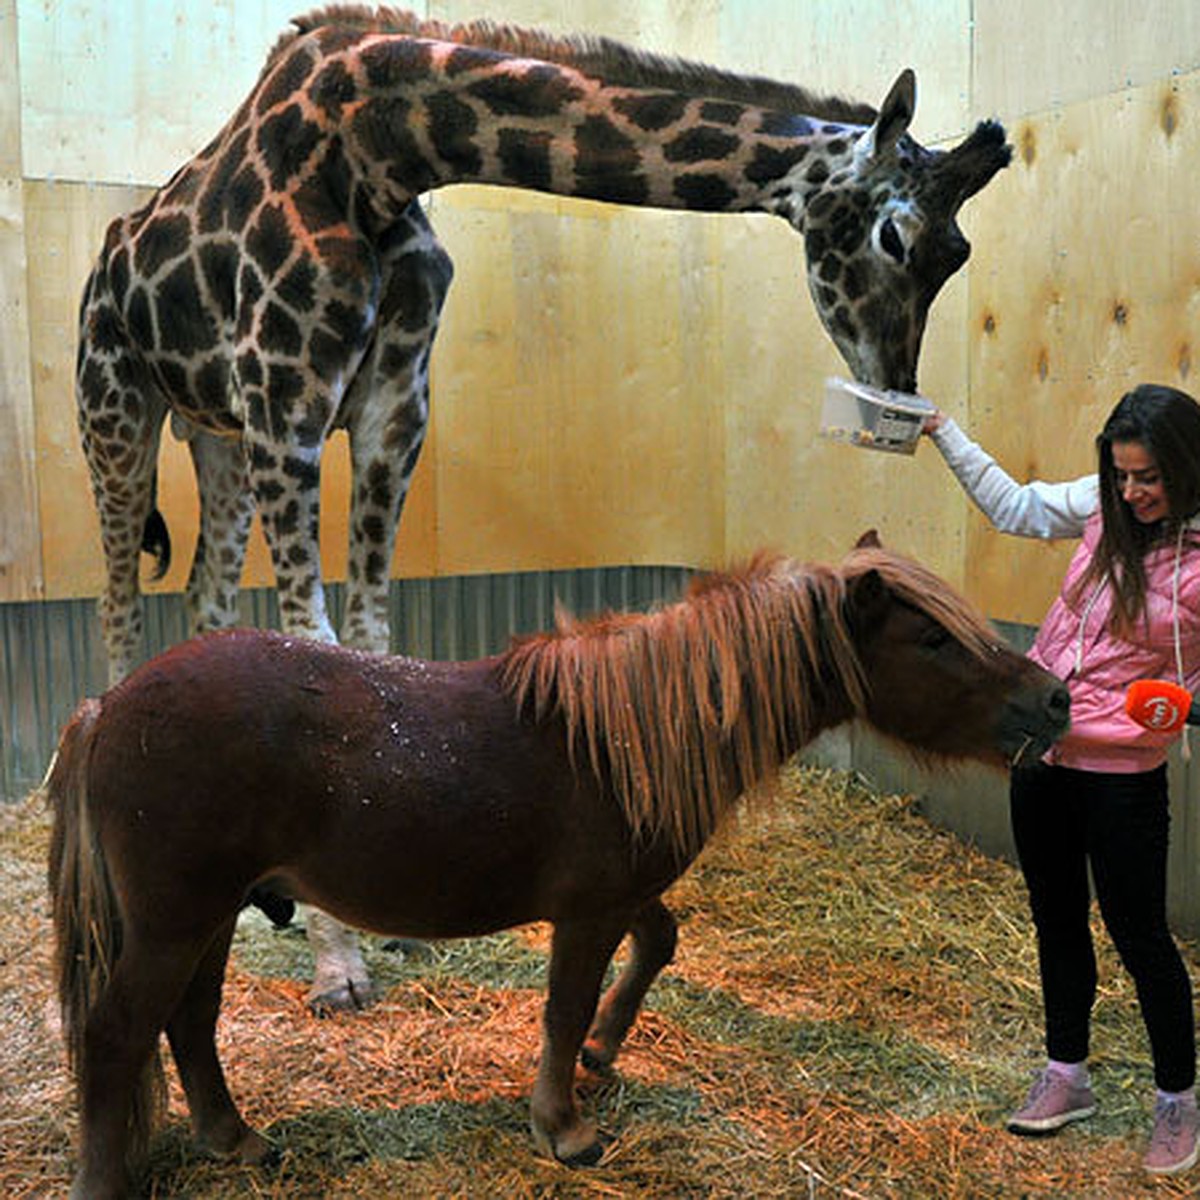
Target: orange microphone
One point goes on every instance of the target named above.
(1161, 705)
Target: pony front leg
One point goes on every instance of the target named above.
(655, 932)
(580, 953)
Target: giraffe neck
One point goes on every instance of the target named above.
(427, 114)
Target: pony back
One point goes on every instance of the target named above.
(87, 925)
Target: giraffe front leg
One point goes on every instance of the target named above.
(286, 483)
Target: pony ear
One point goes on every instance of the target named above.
(895, 115)
(869, 539)
(866, 600)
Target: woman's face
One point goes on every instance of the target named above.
(1139, 482)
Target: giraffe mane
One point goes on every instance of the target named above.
(684, 709)
(605, 58)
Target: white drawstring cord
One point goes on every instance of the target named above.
(1185, 747)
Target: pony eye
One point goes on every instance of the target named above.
(889, 239)
(934, 638)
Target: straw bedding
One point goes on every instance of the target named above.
(852, 1012)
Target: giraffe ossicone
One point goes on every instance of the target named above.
(285, 282)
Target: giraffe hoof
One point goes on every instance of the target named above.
(349, 997)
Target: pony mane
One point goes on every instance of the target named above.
(686, 708)
(601, 57)
(917, 586)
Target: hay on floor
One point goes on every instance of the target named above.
(852, 1011)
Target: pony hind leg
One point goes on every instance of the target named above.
(121, 1093)
(654, 932)
(191, 1031)
(580, 954)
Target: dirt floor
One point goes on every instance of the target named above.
(852, 1012)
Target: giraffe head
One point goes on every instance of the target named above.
(880, 233)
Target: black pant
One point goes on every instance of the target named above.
(1061, 820)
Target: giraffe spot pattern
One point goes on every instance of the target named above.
(652, 112)
(705, 143)
(452, 128)
(704, 193)
(607, 163)
(286, 141)
(525, 158)
(540, 91)
(163, 242)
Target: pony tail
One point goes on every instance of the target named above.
(87, 924)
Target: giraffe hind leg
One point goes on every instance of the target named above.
(226, 514)
(120, 415)
(386, 414)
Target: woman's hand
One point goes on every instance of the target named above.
(934, 421)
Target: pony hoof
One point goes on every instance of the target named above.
(256, 1151)
(249, 1148)
(589, 1156)
(349, 997)
(596, 1061)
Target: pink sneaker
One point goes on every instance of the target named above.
(1175, 1141)
(1053, 1102)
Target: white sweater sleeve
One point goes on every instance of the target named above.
(1035, 509)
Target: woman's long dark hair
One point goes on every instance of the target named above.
(1166, 422)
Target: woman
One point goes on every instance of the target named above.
(1129, 608)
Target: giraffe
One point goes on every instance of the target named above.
(286, 282)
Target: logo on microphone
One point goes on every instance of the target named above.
(1159, 713)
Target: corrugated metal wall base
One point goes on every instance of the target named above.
(51, 653)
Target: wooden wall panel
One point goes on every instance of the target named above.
(683, 27)
(856, 48)
(66, 224)
(123, 93)
(1088, 281)
(1031, 56)
(614, 385)
(20, 557)
(571, 407)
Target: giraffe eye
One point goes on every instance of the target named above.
(889, 239)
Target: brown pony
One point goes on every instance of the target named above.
(569, 780)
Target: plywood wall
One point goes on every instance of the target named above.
(1086, 278)
(622, 386)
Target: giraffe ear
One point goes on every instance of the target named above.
(895, 115)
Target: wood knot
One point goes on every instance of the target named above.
(1043, 365)
(1168, 116)
(1028, 145)
(989, 324)
(1184, 361)
(1120, 313)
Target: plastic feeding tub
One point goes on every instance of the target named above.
(873, 419)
